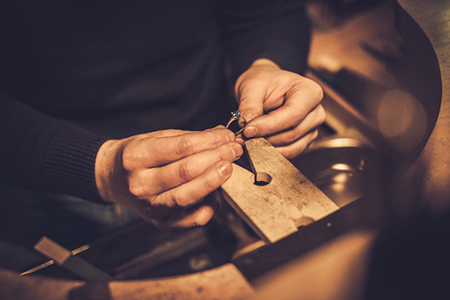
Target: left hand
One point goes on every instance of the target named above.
(281, 106)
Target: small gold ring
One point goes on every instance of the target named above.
(236, 115)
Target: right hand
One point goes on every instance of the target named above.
(163, 176)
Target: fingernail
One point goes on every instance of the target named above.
(238, 151)
(225, 169)
(250, 132)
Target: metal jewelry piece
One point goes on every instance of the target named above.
(236, 115)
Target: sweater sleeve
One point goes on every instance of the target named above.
(276, 30)
(41, 153)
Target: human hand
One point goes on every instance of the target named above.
(163, 176)
(281, 106)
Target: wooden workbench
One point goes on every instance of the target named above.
(433, 16)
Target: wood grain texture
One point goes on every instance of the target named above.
(224, 283)
(277, 209)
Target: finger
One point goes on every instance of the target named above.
(299, 146)
(168, 133)
(175, 132)
(159, 151)
(250, 95)
(214, 128)
(162, 133)
(191, 192)
(301, 99)
(198, 215)
(184, 170)
(312, 121)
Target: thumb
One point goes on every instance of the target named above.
(251, 101)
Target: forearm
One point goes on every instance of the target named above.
(46, 154)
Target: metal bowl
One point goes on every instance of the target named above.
(340, 167)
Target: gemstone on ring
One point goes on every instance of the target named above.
(236, 114)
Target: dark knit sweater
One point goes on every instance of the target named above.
(75, 73)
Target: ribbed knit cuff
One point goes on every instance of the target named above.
(69, 163)
(47, 154)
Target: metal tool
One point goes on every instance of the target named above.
(67, 260)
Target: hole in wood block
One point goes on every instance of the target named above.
(303, 221)
(262, 178)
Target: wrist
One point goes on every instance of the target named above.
(105, 168)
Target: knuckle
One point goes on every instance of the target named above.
(185, 146)
(217, 137)
(292, 136)
(311, 137)
(316, 90)
(185, 172)
(227, 153)
(157, 205)
(314, 134)
(322, 114)
(253, 82)
(290, 153)
(136, 190)
(178, 200)
(128, 157)
(212, 183)
(246, 87)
